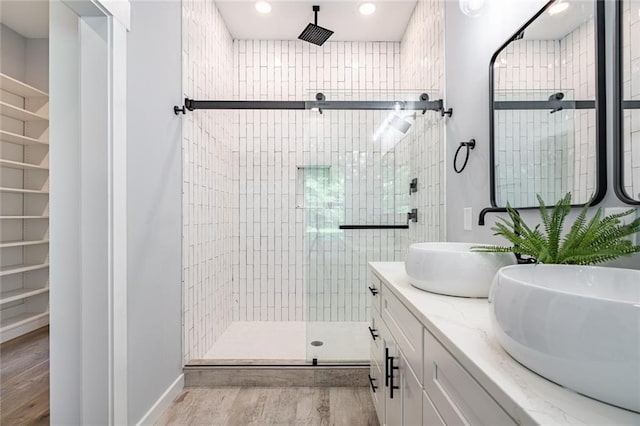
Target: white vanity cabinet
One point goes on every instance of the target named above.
(414, 379)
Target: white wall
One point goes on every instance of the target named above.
(12, 53)
(154, 202)
(470, 43)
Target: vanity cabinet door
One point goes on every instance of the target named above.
(391, 379)
(430, 416)
(411, 392)
(457, 396)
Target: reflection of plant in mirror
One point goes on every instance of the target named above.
(588, 242)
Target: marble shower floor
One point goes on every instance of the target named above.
(343, 342)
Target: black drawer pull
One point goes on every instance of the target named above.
(373, 333)
(373, 387)
(373, 290)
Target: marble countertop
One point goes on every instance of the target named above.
(463, 326)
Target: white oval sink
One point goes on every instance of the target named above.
(453, 269)
(578, 326)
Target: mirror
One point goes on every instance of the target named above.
(627, 182)
(547, 108)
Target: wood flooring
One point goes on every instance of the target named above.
(272, 406)
(24, 379)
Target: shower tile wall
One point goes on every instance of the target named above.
(538, 152)
(209, 193)
(422, 152)
(269, 275)
(631, 87)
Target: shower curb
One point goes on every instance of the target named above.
(276, 375)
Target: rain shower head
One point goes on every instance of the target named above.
(314, 33)
(400, 124)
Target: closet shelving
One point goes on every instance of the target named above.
(24, 208)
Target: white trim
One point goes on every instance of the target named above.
(163, 402)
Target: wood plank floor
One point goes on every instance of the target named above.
(24, 379)
(272, 406)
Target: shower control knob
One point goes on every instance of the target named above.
(320, 97)
(424, 97)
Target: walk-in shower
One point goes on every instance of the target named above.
(331, 194)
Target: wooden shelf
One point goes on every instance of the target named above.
(23, 293)
(18, 269)
(9, 244)
(21, 166)
(23, 191)
(22, 217)
(19, 88)
(20, 113)
(20, 139)
(7, 323)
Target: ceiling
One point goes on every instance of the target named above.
(288, 18)
(28, 18)
(556, 27)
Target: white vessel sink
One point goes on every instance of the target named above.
(578, 326)
(453, 269)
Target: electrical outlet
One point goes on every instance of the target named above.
(467, 214)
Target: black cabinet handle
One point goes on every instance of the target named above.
(386, 367)
(373, 387)
(391, 385)
(373, 333)
(373, 290)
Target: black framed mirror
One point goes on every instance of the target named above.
(627, 101)
(547, 106)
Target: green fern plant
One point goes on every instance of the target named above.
(588, 242)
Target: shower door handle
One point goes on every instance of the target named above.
(373, 333)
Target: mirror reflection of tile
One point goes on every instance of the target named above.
(539, 151)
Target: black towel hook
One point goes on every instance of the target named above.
(469, 145)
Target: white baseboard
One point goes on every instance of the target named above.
(163, 402)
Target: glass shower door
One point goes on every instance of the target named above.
(351, 176)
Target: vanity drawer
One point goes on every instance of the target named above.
(406, 330)
(376, 385)
(374, 290)
(375, 334)
(456, 394)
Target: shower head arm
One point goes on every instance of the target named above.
(316, 9)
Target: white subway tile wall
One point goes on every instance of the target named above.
(422, 153)
(631, 91)
(209, 192)
(538, 152)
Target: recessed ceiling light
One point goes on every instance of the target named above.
(367, 8)
(263, 6)
(558, 7)
(472, 8)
